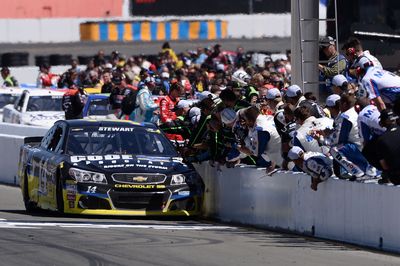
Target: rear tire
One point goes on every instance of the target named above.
(30, 206)
(59, 194)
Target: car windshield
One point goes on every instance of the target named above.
(7, 99)
(44, 103)
(118, 140)
(99, 107)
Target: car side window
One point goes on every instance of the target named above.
(19, 104)
(48, 137)
(55, 141)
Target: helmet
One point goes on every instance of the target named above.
(241, 76)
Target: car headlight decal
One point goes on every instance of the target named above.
(178, 179)
(87, 176)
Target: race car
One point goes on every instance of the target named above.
(8, 96)
(109, 167)
(97, 106)
(37, 107)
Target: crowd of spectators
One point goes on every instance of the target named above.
(232, 108)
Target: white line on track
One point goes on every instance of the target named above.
(40, 225)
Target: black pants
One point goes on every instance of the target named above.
(369, 152)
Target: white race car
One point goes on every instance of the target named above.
(8, 95)
(38, 107)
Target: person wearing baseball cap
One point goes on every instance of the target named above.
(332, 103)
(274, 99)
(228, 119)
(336, 64)
(316, 164)
(275, 104)
(294, 95)
(339, 84)
(328, 47)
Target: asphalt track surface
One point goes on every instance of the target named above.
(50, 239)
(136, 48)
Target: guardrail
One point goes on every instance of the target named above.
(153, 30)
(365, 214)
(11, 138)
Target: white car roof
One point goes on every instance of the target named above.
(10, 90)
(44, 92)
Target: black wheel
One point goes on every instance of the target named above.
(59, 194)
(30, 206)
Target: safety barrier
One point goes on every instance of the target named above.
(154, 30)
(11, 138)
(365, 214)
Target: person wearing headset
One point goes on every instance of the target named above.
(353, 50)
(383, 87)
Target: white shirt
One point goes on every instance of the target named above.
(378, 82)
(373, 59)
(302, 136)
(368, 123)
(317, 165)
(273, 151)
(346, 121)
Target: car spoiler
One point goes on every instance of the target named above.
(32, 140)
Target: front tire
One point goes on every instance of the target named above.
(30, 206)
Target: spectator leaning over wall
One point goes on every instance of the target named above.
(316, 164)
(262, 140)
(381, 86)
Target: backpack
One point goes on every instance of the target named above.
(128, 104)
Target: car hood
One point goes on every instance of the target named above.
(44, 119)
(129, 164)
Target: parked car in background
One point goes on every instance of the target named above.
(97, 106)
(8, 96)
(35, 107)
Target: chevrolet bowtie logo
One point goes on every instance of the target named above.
(139, 179)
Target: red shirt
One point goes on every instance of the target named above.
(166, 106)
(46, 79)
